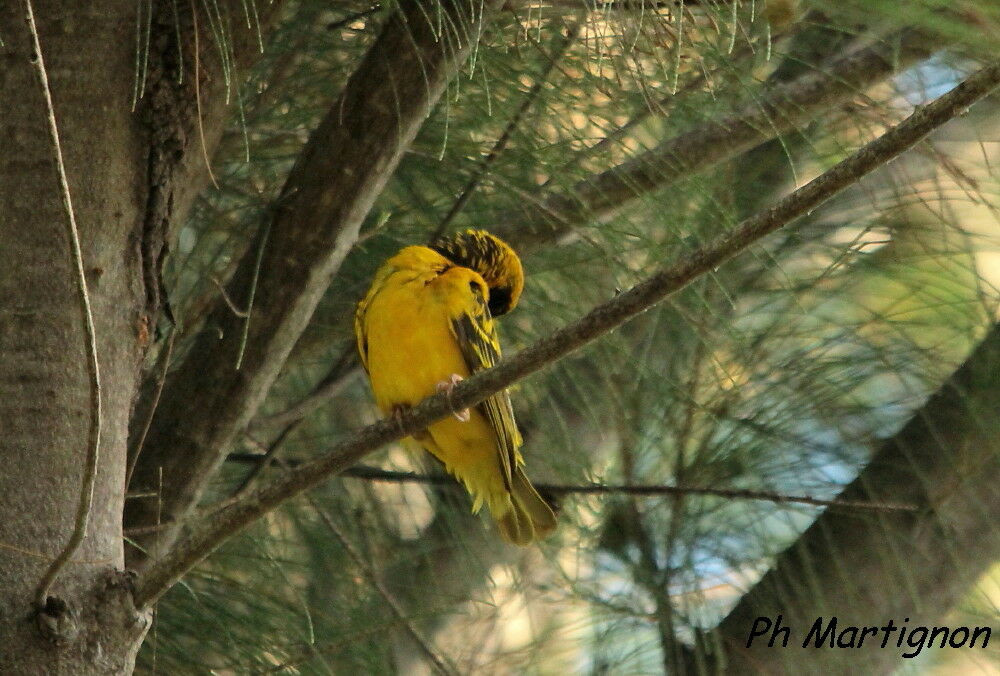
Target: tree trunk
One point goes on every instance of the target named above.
(45, 404)
(132, 176)
(910, 567)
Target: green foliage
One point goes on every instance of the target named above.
(780, 372)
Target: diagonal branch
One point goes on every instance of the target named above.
(209, 531)
(327, 195)
(867, 569)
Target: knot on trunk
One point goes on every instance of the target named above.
(57, 621)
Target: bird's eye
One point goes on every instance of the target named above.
(475, 288)
(500, 298)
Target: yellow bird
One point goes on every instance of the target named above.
(427, 323)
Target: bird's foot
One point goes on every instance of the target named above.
(447, 386)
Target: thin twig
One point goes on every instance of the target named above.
(197, 95)
(242, 314)
(253, 294)
(548, 215)
(322, 393)
(89, 478)
(436, 660)
(209, 531)
(377, 474)
(266, 458)
(501, 143)
(357, 16)
(732, 493)
(134, 531)
(342, 374)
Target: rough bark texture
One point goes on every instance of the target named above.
(867, 568)
(44, 392)
(185, 120)
(131, 176)
(336, 179)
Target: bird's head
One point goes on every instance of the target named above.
(493, 259)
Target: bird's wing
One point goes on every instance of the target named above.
(378, 284)
(360, 334)
(477, 337)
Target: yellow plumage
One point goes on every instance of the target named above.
(429, 315)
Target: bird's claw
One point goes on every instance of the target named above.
(447, 386)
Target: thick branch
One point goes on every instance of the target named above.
(866, 569)
(779, 110)
(329, 191)
(237, 514)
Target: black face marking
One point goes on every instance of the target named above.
(499, 301)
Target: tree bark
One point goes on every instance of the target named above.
(131, 176)
(44, 388)
(186, 105)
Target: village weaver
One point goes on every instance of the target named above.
(427, 323)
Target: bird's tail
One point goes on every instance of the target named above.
(528, 517)
(522, 514)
